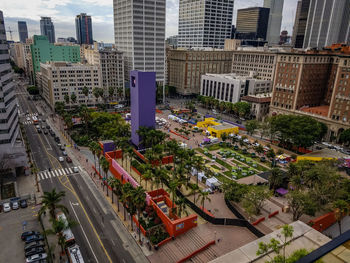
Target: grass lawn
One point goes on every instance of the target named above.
(216, 167)
(224, 164)
(222, 178)
(213, 147)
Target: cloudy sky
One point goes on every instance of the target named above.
(63, 13)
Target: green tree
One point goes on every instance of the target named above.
(235, 191)
(59, 107)
(126, 197)
(255, 198)
(66, 98)
(275, 178)
(117, 189)
(300, 203)
(58, 228)
(251, 126)
(203, 196)
(105, 167)
(111, 91)
(85, 91)
(51, 201)
(73, 98)
(276, 246)
(345, 137)
(139, 200)
(224, 137)
(341, 209)
(181, 206)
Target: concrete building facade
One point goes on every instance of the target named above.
(186, 67)
(58, 79)
(315, 84)
(43, 51)
(12, 151)
(18, 54)
(259, 105)
(205, 23)
(139, 31)
(22, 31)
(328, 23)
(83, 27)
(47, 29)
(252, 23)
(111, 63)
(262, 63)
(231, 87)
(275, 20)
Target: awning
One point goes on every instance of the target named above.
(282, 191)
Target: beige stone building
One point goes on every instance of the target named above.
(232, 44)
(260, 105)
(18, 54)
(57, 79)
(261, 62)
(28, 60)
(186, 67)
(111, 63)
(316, 84)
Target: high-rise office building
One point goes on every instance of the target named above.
(139, 31)
(12, 152)
(252, 23)
(205, 23)
(47, 29)
(328, 22)
(300, 23)
(83, 28)
(275, 20)
(22, 31)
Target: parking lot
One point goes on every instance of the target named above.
(11, 228)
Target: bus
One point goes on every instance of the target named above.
(35, 119)
(68, 234)
(74, 254)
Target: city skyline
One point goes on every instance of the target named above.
(63, 15)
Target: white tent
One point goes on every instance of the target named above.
(212, 182)
(201, 175)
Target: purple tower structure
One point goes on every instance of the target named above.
(143, 102)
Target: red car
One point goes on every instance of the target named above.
(68, 159)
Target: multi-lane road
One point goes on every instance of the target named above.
(100, 234)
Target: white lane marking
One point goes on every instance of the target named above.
(60, 172)
(42, 176)
(49, 148)
(46, 176)
(38, 175)
(70, 171)
(57, 173)
(83, 231)
(80, 168)
(53, 174)
(63, 171)
(66, 170)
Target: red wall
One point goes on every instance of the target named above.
(326, 221)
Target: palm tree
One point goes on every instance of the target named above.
(148, 175)
(194, 190)
(275, 178)
(111, 92)
(198, 163)
(117, 190)
(173, 185)
(98, 154)
(94, 147)
(110, 182)
(50, 201)
(58, 227)
(73, 97)
(139, 199)
(181, 204)
(85, 91)
(67, 99)
(341, 209)
(105, 168)
(126, 197)
(203, 196)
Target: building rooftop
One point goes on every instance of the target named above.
(319, 110)
(234, 76)
(258, 98)
(223, 126)
(304, 236)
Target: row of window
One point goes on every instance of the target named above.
(12, 135)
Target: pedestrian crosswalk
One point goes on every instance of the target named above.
(58, 172)
(28, 122)
(32, 114)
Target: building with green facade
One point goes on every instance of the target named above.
(44, 51)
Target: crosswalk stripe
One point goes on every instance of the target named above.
(57, 173)
(48, 174)
(60, 171)
(38, 177)
(53, 174)
(45, 175)
(67, 171)
(80, 168)
(70, 171)
(42, 176)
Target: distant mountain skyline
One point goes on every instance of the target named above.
(63, 14)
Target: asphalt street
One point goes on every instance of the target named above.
(98, 233)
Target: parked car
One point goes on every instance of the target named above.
(36, 258)
(48, 127)
(23, 203)
(37, 126)
(68, 159)
(33, 251)
(33, 238)
(15, 205)
(61, 159)
(7, 207)
(75, 169)
(62, 148)
(46, 132)
(64, 153)
(39, 130)
(33, 245)
(29, 233)
(52, 133)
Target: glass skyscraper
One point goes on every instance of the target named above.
(22, 31)
(83, 29)
(47, 29)
(205, 23)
